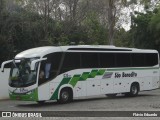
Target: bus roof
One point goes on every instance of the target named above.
(41, 51)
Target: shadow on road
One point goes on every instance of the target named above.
(54, 103)
(113, 98)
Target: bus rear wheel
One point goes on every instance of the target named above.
(134, 90)
(66, 96)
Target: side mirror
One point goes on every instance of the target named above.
(4, 63)
(35, 61)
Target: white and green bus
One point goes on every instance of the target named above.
(64, 73)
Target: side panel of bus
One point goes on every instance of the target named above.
(103, 73)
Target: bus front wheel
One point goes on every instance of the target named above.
(66, 95)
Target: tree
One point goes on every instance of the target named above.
(114, 7)
(140, 32)
(123, 38)
(154, 27)
(5, 43)
(111, 20)
(96, 32)
(145, 30)
(47, 9)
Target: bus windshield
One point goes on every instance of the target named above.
(21, 74)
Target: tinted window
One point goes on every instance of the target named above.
(151, 59)
(123, 60)
(107, 60)
(89, 60)
(138, 59)
(49, 67)
(77, 60)
(71, 61)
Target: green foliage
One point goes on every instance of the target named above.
(154, 27)
(6, 49)
(123, 38)
(141, 35)
(21, 29)
(145, 30)
(96, 32)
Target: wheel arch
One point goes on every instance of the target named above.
(137, 83)
(65, 86)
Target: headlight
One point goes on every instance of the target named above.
(29, 92)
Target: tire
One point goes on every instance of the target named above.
(40, 102)
(111, 95)
(134, 90)
(66, 96)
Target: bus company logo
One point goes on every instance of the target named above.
(66, 75)
(123, 74)
(107, 75)
(23, 90)
(6, 114)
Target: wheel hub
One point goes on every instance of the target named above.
(134, 90)
(65, 96)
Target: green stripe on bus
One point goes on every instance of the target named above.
(64, 81)
(101, 72)
(74, 80)
(93, 74)
(84, 76)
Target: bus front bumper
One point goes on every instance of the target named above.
(31, 96)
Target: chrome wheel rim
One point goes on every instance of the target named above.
(134, 89)
(65, 96)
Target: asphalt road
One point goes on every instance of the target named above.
(145, 101)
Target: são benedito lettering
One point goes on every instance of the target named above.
(132, 74)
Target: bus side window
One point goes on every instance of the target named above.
(42, 73)
(52, 65)
(47, 70)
